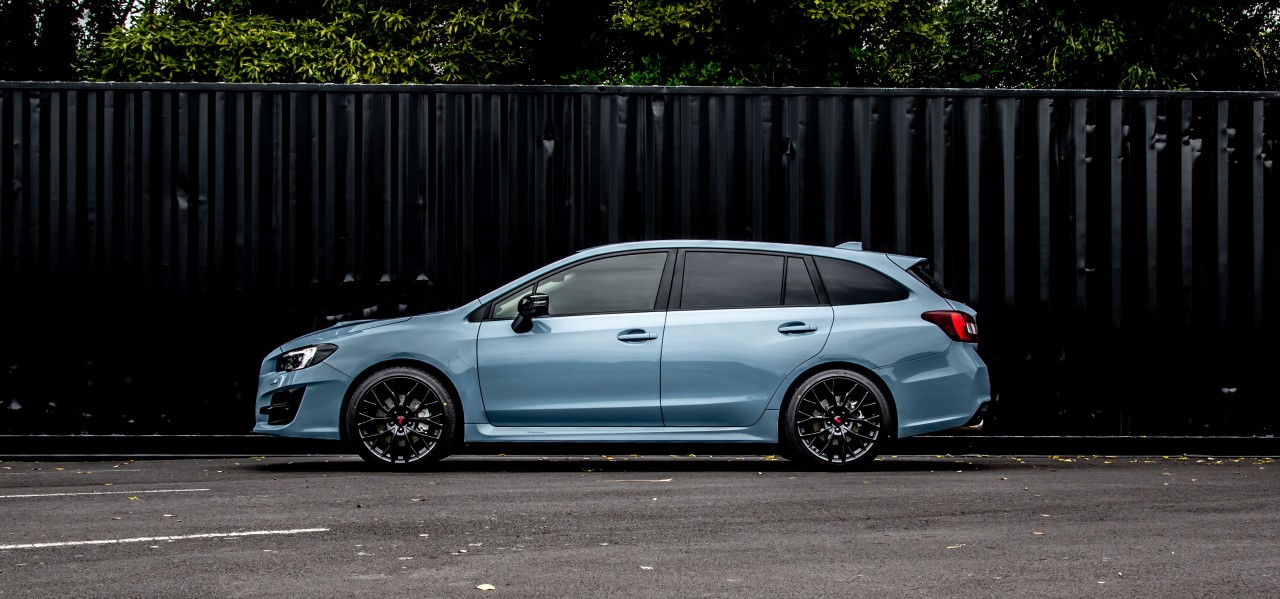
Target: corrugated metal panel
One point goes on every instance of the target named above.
(157, 240)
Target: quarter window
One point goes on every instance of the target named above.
(731, 280)
(800, 290)
(852, 283)
(507, 309)
(627, 283)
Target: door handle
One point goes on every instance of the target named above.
(795, 328)
(636, 336)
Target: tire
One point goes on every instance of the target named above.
(837, 420)
(400, 418)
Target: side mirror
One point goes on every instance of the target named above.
(531, 306)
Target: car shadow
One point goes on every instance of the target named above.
(629, 463)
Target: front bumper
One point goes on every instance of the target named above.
(304, 403)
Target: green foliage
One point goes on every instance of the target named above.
(1180, 44)
(767, 42)
(1187, 44)
(338, 41)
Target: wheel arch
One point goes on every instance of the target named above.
(858, 368)
(411, 363)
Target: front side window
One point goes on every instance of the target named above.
(852, 283)
(507, 309)
(627, 283)
(731, 280)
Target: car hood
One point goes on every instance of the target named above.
(339, 330)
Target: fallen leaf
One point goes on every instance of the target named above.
(486, 587)
(955, 546)
(418, 499)
(133, 498)
(770, 458)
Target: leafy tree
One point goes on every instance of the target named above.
(1187, 44)
(333, 41)
(767, 42)
(1181, 44)
(51, 39)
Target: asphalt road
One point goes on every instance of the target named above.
(912, 526)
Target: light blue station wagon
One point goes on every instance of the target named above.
(827, 353)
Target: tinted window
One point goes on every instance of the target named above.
(851, 283)
(507, 309)
(725, 280)
(799, 285)
(920, 270)
(617, 284)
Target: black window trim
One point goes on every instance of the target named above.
(660, 301)
(677, 285)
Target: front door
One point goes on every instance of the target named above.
(594, 360)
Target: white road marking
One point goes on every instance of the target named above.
(64, 471)
(207, 535)
(102, 493)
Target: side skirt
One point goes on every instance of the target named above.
(764, 431)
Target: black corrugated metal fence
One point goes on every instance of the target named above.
(157, 240)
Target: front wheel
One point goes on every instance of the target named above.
(836, 419)
(400, 418)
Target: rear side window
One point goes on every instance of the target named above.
(920, 270)
(731, 280)
(799, 290)
(852, 283)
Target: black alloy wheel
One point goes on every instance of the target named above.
(400, 418)
(837, 419)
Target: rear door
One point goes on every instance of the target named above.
(739, 323)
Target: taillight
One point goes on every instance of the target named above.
(957, 325)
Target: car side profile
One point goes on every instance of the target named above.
(828, 353)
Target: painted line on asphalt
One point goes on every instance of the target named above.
(78, 472)
(207, 535)
(101, 493)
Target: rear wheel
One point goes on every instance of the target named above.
(836, 419)
(400, 418)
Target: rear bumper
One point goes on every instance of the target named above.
(939, 392)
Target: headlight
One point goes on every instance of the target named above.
(305, 357)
